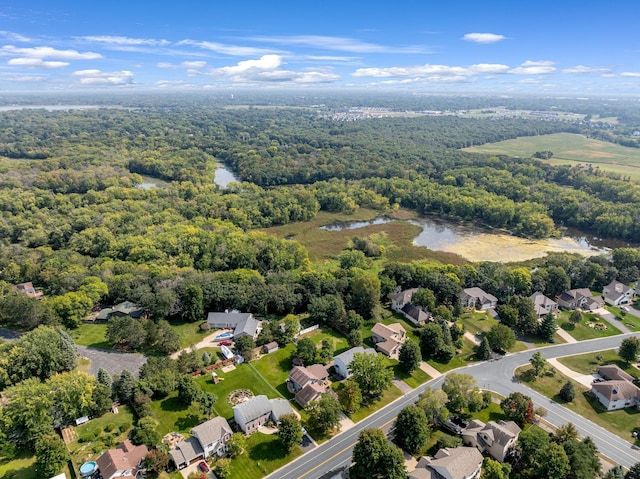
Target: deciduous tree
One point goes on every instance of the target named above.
(629, 349)
(518, 407)
(409, 356)
(371, 373)
(412, 429)
(289, 431)
(375, 458)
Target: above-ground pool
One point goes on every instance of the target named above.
(88, 468)
(224, 335)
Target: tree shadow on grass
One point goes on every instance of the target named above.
(267, 451)
(568, 326)
(187, 422)
(172, 404)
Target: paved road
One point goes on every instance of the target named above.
(335, 454)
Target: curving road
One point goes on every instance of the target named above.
(335, 454)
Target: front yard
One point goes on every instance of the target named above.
(590, 327)
(264, 455)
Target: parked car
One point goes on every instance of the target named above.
(225, 343)
(203, 466)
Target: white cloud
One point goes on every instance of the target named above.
(36, 63)
(440, 71)
(267, 69)
(166, 65)
(48, 52)
(121, 40)
(14, 37)
(585, 69)
(483, 37)
(196, 64)
(99, 78)
(534, 68)
(234, 50)
(167, 84)
(338, 43)
(25, 78)
(630, 74)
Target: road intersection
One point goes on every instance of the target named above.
(497, 376)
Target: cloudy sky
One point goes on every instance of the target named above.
(544, 46)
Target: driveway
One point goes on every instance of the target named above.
(611, 319)
(112, 361)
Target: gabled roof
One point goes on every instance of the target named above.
(615, 290)
(388, 347)
(405, 296)
(252, 409)
(319, 371)
(280, 407)
(415, 312)
(541, 303)
(186, 451)
(125, 457)
(309, 393)
(301, 375)
(240, 322)
(613, 371)
(617, 389)
(479, 294)
(212, 430)
(499, 432)
(347, 356)
(456, 463)
(127, 308)
(387, 331)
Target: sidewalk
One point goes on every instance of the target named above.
(584, 379)
(472, 337)
(566, 336)
(430, 370)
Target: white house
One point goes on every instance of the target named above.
(207, 439)
(493, 438)
(618, 294)
(342, 361)
(450, 463)
(617, 391)
(543, 305)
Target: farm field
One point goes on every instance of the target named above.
(570, 149)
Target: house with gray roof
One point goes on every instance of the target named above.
(580, 298)
(617, 391)
(494, 438)
(207, 439)
(450, 463)
(542, 304)
(400, 299)
(255, 412)
(342, 361)
(476, 298)
(618, 294)
(243, 324)
(126, 308)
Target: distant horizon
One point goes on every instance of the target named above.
(543, 48)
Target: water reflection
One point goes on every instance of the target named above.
(478, 244)
(223, 177)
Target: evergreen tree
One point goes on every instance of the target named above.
(483, 350)
(568, 391)
(547, 328)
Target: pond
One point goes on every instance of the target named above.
(223, 177)
(478, 244)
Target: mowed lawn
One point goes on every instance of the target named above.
(583, 330)
(621, 422)
(570, 148)
(174, 416)
(589, 362)
(264, 455)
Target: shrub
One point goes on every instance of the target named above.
(109, 427)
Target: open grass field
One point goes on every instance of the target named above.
(324, 244)
(91, 335)
(388, 396)
(589, 362)
(264, 455)
(582, 330)
(174, 416)
(621, 422)
(21, 467)
(570, 148)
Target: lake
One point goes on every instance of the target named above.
(478, 244)
(223, 177)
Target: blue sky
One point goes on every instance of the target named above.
(544, 47)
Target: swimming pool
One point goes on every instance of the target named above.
(88, 468)
(224, 335)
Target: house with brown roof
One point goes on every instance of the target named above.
(542, 304)
(311, 392)
(494, 438)
(206, 439)
(580, 298)
(450, 463)
(476, 298)
(388, 338)
(307, 383)
(618, 294)
(617, 391)
(123, 461)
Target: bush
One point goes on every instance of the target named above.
(109, 427)
(447, 440)
(568, 392)
(124, 427)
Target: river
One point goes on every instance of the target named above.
(478, 244)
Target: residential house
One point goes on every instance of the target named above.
(618, 294)
(307, 383)
(493, 438)
(450, 463)
(399, 300)
(388, 338)
(123, 461)
(342, 361)
(207, 439)
(243, 324)
(543, 305)
(581, 298)
(617, 391)
(311, 392)
(255, 412)
(270, 347)
(126, 308)
(28, 290)
(477, 299)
